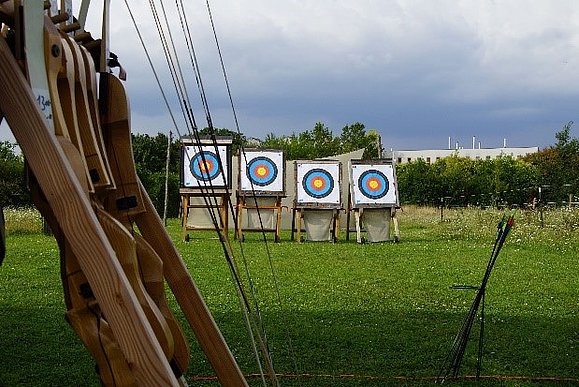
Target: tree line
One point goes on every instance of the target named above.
(453, 180)
(150, 153)
(550, 175)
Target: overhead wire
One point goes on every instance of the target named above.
(212, 215)
(244, 155)
(259, 326)
(184, 103)
(226, 247)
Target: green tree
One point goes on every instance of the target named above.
(462, 181)
(558, 166)
(238, 139)
(415, 182)
(320, 142)
(324, 141)
(354, 137)
(150, 154)
(13, 190)
(309, 144)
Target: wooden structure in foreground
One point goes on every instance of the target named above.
(83, 181)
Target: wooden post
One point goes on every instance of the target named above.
(170, 138)
(2, 236)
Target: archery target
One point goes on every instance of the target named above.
(205, 166)
(201, 166)
(318, 183)
(373, 185)
(262, 171)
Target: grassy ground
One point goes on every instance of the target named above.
(346, 314)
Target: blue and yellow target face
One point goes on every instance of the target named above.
(373, 184)
(205, 166)
(262, 171)
(318, 183)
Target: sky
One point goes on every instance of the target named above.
(418, 72)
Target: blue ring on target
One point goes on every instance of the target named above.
(262, 171)
(205, 166)
(373, 184)
(318, 183)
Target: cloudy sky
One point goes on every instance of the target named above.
(416, 71)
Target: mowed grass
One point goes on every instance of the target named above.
(340, 314)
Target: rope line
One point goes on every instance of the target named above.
(551, 379)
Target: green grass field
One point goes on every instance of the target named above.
(347, 314)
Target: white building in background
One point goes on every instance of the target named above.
(475, 153)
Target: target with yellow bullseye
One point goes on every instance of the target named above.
(206, 166)
(318, 183)
(373, 184)
(262, 172)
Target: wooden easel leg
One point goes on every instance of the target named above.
(358, 225)
(278, 220)
(299, 224)
(336, 225)
(293, 223)
(185, 216)
(223, 213)
(396, 228)
(348, 224)
(238, 214)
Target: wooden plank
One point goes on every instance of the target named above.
(74, 214)
(189, 298)
(116, 125)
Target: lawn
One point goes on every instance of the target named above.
(339, 314)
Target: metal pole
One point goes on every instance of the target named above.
(481, 336)
(2, 236)
(541, 207)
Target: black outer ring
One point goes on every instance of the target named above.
(367, 194)
(324, 172)
(268, 161)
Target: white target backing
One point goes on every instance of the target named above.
(318, 183)
(262, 172)
(202, 169)
(373, 184)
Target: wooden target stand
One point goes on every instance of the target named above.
(368, 193)
(358, 211)
(297, 216)
(205, 183)
(261, 190)
(308, 202)
(193, 201)
(252, 203)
